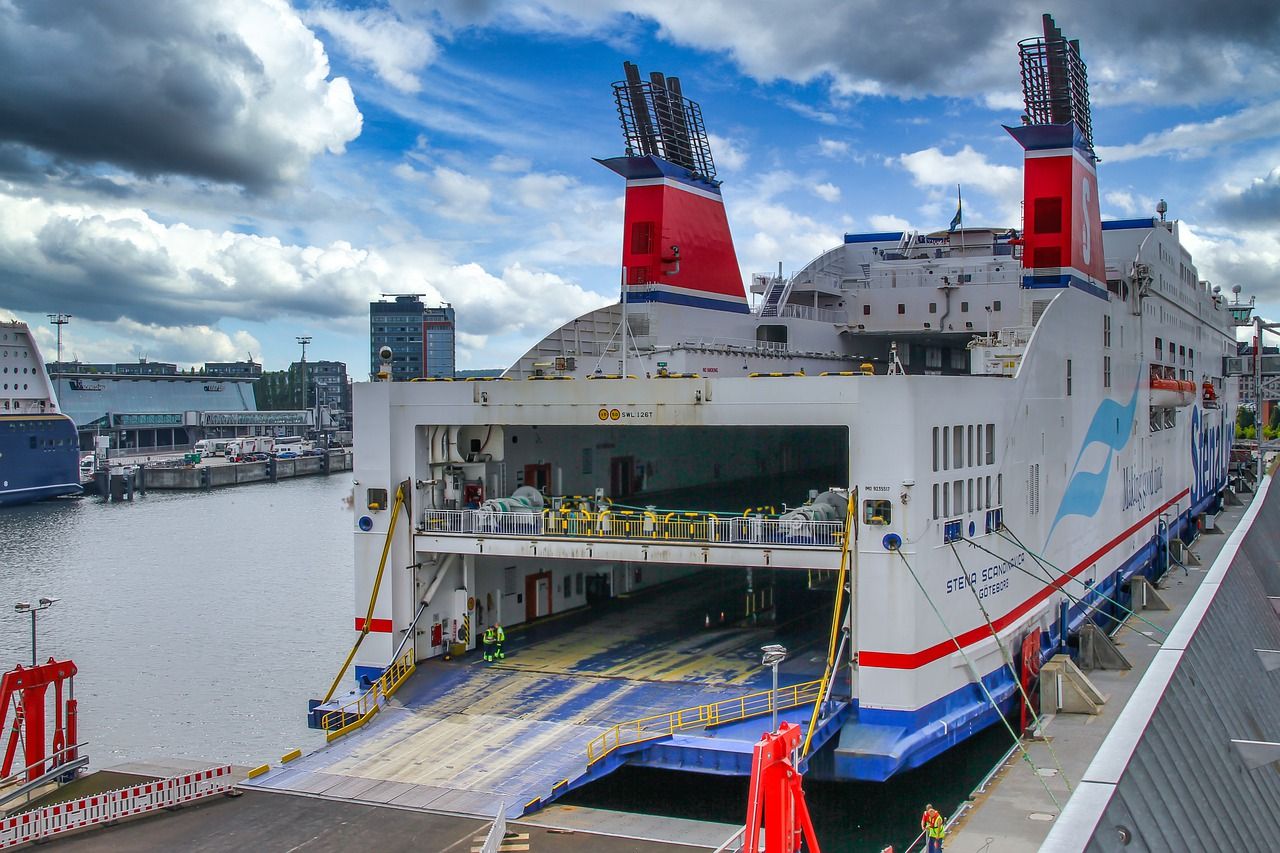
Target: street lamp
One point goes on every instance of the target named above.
(27, 607)
(774, 654)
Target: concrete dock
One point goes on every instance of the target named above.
(127, 477)
(1017, 807)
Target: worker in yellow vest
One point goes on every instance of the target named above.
(489, 638)
(499, 637)
(934, 829)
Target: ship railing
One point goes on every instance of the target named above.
(353, 714)
(637, 525)
(701, 717)
(808, 312)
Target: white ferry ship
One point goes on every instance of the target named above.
(39, 448)
(1021, 420)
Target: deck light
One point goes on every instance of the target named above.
(774, 654)
(27, 607)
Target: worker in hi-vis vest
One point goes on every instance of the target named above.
(489, 639)
(499, 637)
(934, 829)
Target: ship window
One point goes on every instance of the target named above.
(935, 448)
(877, 512)
(902, 308)
(866, 310)
(1106, 330)
(1048, 215)
(969, 490)
(946, 448)
(957, 496)
(933, 308)
(641, 238)
(957, 446)
(969, 441)
(979, 457)
(1000, 489)
(935, 500)
(1106, 371)
(964, 307)
(1068, 377)
(995, 306)
(1159, 348)
(1191, 358)
(1171, 352)
(946, 500)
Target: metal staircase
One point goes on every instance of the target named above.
(775, 296)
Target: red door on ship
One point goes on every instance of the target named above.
(537, 595)
(538, 476)
(622, 476)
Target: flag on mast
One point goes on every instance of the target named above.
(958, 219)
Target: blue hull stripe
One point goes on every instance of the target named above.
(690, 301)
(1037, 282)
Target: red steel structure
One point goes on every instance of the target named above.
(25, 689)
(777, 797)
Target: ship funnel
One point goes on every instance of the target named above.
(1062, 226)
(676, 245)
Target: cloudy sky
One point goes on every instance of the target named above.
(197, 180)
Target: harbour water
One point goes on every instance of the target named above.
(203, 621)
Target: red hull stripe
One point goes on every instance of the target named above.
(376, 626)
(915, 660)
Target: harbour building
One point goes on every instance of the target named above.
(421, 337)
(143, 406)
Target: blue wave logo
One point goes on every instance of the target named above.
(1112, 425)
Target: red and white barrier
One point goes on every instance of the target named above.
(49, 821)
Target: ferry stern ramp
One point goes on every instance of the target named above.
(630, 638)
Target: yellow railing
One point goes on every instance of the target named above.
(364, 706)
(703, 716)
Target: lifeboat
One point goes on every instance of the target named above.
(1172, 392)
(1210, 395)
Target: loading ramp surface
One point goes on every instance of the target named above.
(461, 737)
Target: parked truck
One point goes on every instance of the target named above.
(240, 448)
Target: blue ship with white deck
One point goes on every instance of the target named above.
(39, 450)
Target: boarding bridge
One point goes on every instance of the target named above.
(682, 538)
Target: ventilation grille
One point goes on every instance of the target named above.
(1033, 489)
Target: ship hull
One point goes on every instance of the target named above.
(39, 458)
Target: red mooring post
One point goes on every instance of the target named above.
(25, 688)
(777, 797)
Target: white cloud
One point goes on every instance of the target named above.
(834, 148)
(396, 51)
(932, 169)
(236, 91)
(1199, 139)
(465, 197)
(888, 222)
(728, 153)
(826, 191)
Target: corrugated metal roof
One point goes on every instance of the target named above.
(88, 398)
(1167, 775)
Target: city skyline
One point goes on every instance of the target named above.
(218, 202)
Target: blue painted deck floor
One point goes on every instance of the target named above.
(463, 737)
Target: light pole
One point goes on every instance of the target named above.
(774, 654)
(33, 609)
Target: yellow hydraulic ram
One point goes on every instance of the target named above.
(373, 597)
(837, 616)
